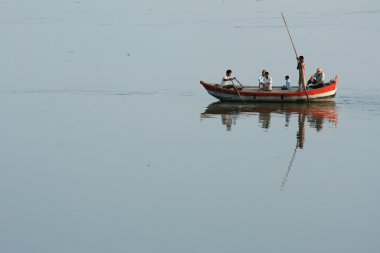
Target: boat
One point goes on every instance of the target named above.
(254, 94)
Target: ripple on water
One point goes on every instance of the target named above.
(361, 101)
(85, 92)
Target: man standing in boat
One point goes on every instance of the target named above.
(301, 66)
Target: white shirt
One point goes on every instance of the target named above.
(288, 84)
(268, 81)
(260, 79)
(223, 83)
(319, 78)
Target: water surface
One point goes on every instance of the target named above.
(110, 144)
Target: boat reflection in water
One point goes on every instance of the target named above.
(315, 114)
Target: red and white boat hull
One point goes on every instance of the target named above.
(253, 94)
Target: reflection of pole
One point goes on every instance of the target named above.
(300, 142)
(285, 179)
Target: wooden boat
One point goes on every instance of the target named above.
(254, 94)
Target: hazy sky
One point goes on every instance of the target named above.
(150, 44)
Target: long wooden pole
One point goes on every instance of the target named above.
(295, 51)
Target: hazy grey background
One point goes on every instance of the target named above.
(104, 44)
(103, 149)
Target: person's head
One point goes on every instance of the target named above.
(319, 71)
(228, 72)
(286, 77)
(263, 72)
(301, 58)
(266, 74)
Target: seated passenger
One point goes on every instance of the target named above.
(316, 80)
(261, 77)
(267, 82)
(287, 84)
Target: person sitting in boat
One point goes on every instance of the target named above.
(316, 80)
(261, 77)
(287, 84)
(267, 82)
(227, 81)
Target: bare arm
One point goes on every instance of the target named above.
(229, 79)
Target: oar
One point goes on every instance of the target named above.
(295, 51)
(239, 82)
(237, 90)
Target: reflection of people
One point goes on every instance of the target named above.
(287, 118)
(301, 130)
(316, 121)
(264, 119)
(315, 114)
(229, 120)
(287, 84)
(301, 66)
(227, 80)
(317, 79)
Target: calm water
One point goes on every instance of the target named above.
(110, 144)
